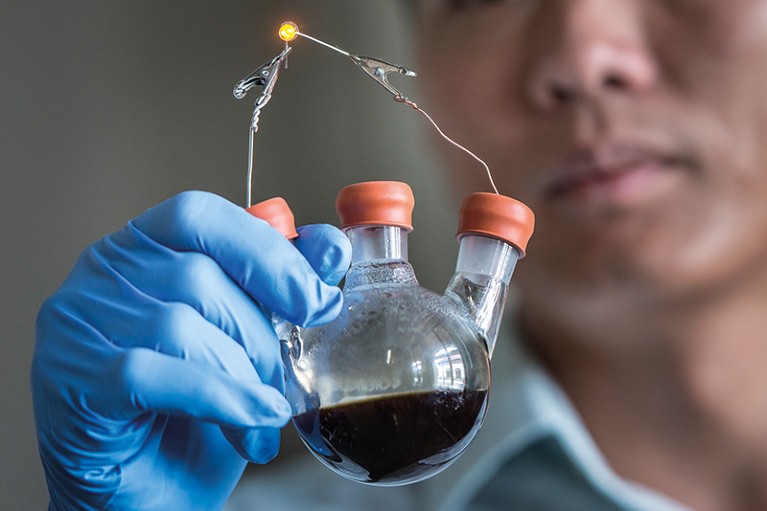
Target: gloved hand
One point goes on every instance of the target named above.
(154, 365)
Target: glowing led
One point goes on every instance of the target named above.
(288, 31)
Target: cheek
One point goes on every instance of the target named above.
(462, 87)
(724, 244)
(471, 73)
(475, 101)
(668, 255)
(743, 23)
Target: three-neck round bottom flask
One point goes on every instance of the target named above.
(394, 389)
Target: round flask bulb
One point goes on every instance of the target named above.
(288, 31)
(394, 389)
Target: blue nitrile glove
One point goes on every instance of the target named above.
(154, 366)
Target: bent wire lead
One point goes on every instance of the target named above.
(377, 69)
(265, 77)
(414, 106)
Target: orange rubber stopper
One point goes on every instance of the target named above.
(376, 203)
(278, 214)
(496, 216)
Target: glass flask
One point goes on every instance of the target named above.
(396, 387)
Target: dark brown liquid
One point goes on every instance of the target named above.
(394, 439)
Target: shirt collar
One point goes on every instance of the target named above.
(526, 405)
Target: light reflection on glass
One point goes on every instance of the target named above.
(449, 369)
(417, 368)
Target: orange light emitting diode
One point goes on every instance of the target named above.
(288, 31)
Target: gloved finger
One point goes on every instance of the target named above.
(178, 330)
(129, 317)
(197, 280)
(154, 382)
(257, 445)
(252, 253)
(327, 249)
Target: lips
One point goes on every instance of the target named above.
(615, 174)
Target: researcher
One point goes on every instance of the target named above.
(633, 372)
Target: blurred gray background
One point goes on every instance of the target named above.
(109, 107)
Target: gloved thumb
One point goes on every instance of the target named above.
(257, 445)
(327, 250)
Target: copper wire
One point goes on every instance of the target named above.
(414, 106)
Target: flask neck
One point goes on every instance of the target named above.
(481, 282)
(379, 255)
(377, 242)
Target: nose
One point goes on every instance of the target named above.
(590, 49)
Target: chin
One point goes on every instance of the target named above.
(641, 283)
(623, 272)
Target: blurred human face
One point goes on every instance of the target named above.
(635, 129)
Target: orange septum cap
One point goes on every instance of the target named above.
(278, 214)
(376, 203)
(496, 216)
